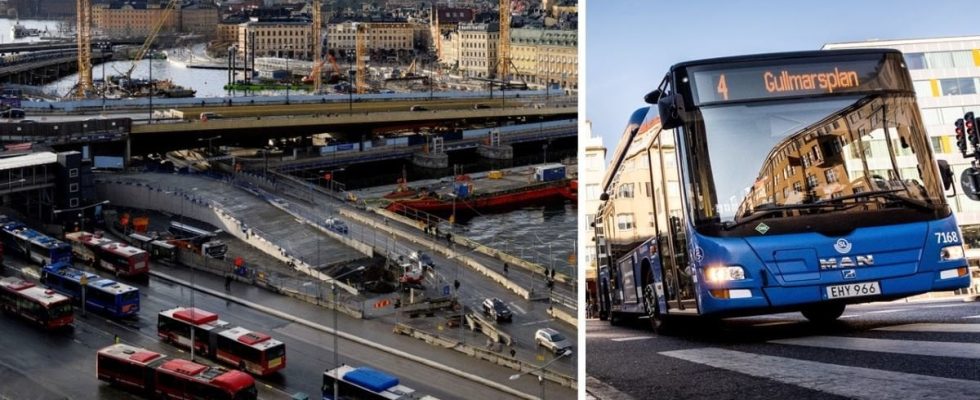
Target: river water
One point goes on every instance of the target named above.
(47, 28)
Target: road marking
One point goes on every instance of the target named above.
(601, 391)
(888, 311)
(776, 323)
(850, 316)
(949, 328)
(536, 322)
(972, 316)
(518, 308)
(841, 380)
(947, 305)
(632, 338)
(914, 347)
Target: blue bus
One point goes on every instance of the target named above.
(39, 248)
(103, 296)
(364, 383)
(778, 182)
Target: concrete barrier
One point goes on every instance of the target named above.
(483, 354)
(467, 261)
(563, 316)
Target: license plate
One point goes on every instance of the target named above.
(853, 290)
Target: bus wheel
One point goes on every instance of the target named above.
(603, 316)
(823, 313)
(652, 306)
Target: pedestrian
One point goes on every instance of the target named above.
(449, 237)
(115, 339)
(513, 353)
(505, 268)
(553, 273)
(228, 282)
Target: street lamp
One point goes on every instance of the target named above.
(540, 370)
(81, 216)
(336, 352)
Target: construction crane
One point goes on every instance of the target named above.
(84, 11)
(503, 47)
(152, 35)
(361, 55)
(317, 47)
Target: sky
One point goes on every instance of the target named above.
(630, 44)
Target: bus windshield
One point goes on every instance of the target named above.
(817, 157)
(59, 310)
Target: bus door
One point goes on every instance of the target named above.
(670, 225)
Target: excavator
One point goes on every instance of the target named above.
(335, 73)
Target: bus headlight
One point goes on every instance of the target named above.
(951, 253)
(724, 273)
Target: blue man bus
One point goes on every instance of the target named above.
(364, 383)
(33, 245)
(778, 182)
(103, 296)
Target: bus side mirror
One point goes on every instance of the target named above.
(970, 182)
(946, 173)
(669, 116)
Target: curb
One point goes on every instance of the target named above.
(349, 337)
(601, 391)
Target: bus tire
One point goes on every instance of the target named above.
(615, 319)
(658, 321)
(603, 316)
(823, 313)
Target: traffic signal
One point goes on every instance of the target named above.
(961, 135)
(971, 128)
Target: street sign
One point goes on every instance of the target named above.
(445, 290)
(84, 280)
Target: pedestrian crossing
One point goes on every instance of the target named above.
(853, 381)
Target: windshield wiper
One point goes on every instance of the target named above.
(770, 211)
(886, 194)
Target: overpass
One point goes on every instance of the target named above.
(47, 68)
(8, 48)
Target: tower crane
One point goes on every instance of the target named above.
(317, 47)
(503, 46)
(84, 21)
(167, 11)
(361, 30)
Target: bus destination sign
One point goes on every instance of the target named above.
(713, 85)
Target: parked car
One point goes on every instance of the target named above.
(479, 106)
(210, 115)
(418, 108)
(496, 309)
(552, 340)
(335, 225)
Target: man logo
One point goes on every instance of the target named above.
(842, 246)
(849, 273)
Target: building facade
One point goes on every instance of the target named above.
(133, 19)
(545, 55)
(946, 76)
(277, 38)
(389, 36)
(477, 49)
(200, 18)
(593, 168)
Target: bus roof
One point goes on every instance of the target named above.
(66, 271)
(122, 249)
(183, 367)
(24, 232)
(371, 378)
(781, 56)
(195, 316)
(256, 340)
(133, 354)
(233, 381)
(45, 297)
(87, 238)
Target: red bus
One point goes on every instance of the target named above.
(114, 256)
(254, 352)
(154, 375)
(41, 306)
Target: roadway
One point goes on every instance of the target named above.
(58, 365)
(896, 350)
(237, 110)
(529, 316)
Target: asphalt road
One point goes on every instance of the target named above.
(898, 350)
(58, 365)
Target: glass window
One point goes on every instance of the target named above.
(922, 88)
(951, 114)
(937, 146)
(624, 222)
(939, 60)
(915, 60)
(592, 191)
(930, 116)
(962, 59)
(949, 87)
(626, 190)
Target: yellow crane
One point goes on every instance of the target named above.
(503, 46)
(84, 20)
(167, 11)
(317, 47)
(361, 30)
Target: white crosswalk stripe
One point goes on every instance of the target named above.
(847, 381)
(630, 339)
(947, 328)
(911, 347)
